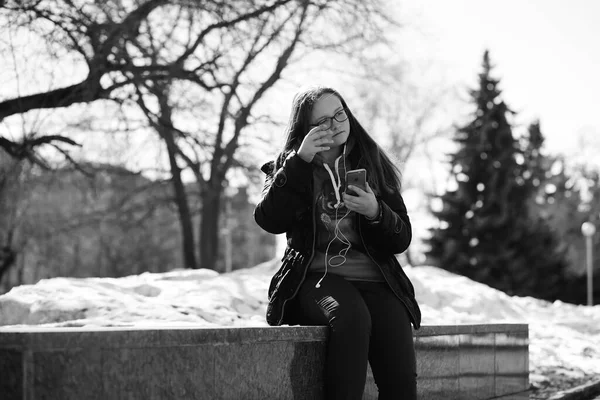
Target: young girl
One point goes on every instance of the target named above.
(339, 267)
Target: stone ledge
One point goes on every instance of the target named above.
(459, 362)
(34, 337)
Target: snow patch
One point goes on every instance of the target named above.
(563, 337)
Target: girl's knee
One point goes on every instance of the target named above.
(356, 320)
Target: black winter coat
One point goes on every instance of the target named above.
(287, 207)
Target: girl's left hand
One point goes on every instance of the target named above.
(364, 203)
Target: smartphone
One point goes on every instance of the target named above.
(358, 178)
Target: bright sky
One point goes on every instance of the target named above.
(546, 53)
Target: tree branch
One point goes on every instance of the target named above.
(89, 89)
(25, 149)
(224, 24)
(282, 61)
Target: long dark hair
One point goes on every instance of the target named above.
(382, 174)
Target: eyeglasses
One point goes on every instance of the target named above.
(326, 122)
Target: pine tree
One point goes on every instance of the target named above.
(486, 231)
(561, 202)
(554, 197)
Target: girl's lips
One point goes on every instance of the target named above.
(335, 134)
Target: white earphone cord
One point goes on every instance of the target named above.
(337, 233)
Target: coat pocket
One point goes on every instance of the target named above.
(287, 278)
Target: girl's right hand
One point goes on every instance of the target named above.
(315, 141)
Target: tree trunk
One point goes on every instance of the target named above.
(185, 217)
(7, 260)
(209, 227)
(164, 128)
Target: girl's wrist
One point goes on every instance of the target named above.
(376, 217)
(305, 157)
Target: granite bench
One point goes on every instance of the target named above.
(454, 362)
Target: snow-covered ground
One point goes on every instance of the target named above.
(564, 338)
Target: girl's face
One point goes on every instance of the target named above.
(328, 110)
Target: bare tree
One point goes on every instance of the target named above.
(220, 57)
(407, 112)
(267, 42)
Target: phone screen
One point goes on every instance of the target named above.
(358, 178)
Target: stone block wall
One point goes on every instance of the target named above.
(454, 362)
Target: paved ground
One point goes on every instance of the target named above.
(559, 383)
(587, 391)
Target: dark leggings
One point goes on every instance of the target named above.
(367, 322)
